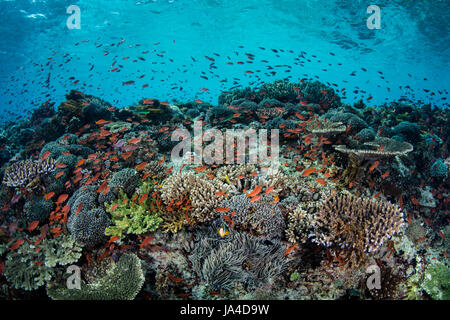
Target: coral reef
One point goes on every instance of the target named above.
(131, 217)
(261, 218)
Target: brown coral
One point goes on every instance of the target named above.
(205, 194)
(356, 225)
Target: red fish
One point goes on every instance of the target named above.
(374, 166)
(288, 250)
(146, 241)
(45, 155)
(49, 195)
(33, 225)
(62, 198)
(16, 244)
(308, 171)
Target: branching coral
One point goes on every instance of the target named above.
(125, 179)
(263, 217)
(122, 281)
(299, 225)
(21, 173)
(437, 281)
(205, 195)
(132, 218)
(356, 225)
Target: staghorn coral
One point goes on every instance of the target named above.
(88, 227)
(21, 173)
(123, 281)
(262, 218)
(356, 225)
(202, 192)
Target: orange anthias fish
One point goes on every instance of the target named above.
(80, 163)
(176, 280)
(255, 192)
(384, 175)
(45, 155)
(143, 198)
(61, 166)
(102, 122)
(374, 166)
(62, 198)
(147, 241)
(222, 209)
(59, 174)
(49, 195)
(308, 171)
(134, 140)
(141, 166)
(16, 244)
(288, 250)
(33, 225)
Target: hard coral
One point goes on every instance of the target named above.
(357, 225)
(21, 173)
(205, 194)
(132, 218)
(123, 281)
(262, 218)
(88, 227)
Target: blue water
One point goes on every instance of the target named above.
(330, 40)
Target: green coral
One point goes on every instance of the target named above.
(31, 266)
(437, 281)
(122, 281)
(132, 217)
